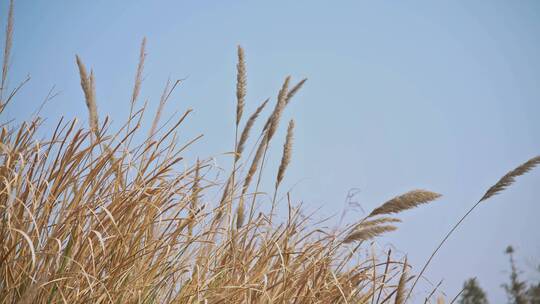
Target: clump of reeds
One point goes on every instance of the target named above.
(90, 215)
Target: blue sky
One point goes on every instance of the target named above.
(441, 95)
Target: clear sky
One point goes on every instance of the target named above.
(441, 95)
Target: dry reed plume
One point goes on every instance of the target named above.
(247, 128)
(508, 179)
(92, 215)
(405, 201)
(89, 89)
(504, 182)
(287, 152)
(400, 292)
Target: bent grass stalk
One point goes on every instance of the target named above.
(505, 181)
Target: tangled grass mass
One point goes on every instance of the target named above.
(93, 215)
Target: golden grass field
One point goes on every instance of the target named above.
(94, 215)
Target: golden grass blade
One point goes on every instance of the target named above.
(409, 200)
(30, 245)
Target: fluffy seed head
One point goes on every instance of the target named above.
(405, 201)
(240, 213)
(88, 87)
(287, 152)
(510, 177)
(378, 221)
(247, 128)
(240, 85)
(254, 165)
(400, 293)
(295, 89)
(7, 50)
(368, 233)
(138, 75)
(273, 121)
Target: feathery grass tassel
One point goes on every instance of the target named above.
(240, 213)
(287, 153)
(507, 180)
(7, 54)
(405, 201)
(400, 293)
(247, 128)
(295, 89)
(240, 85)
(88, 87)
(138, 74)
(285, 160)
(368, 233)
(194, 198)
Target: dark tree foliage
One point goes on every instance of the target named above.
(516, 289)
(472, 293)
(533, 293)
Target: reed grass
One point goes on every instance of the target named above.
(92, 215)
(89, 89)
(287, 154)
(400, 292)
(405, 201)
(504, 182)
(247, 128)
